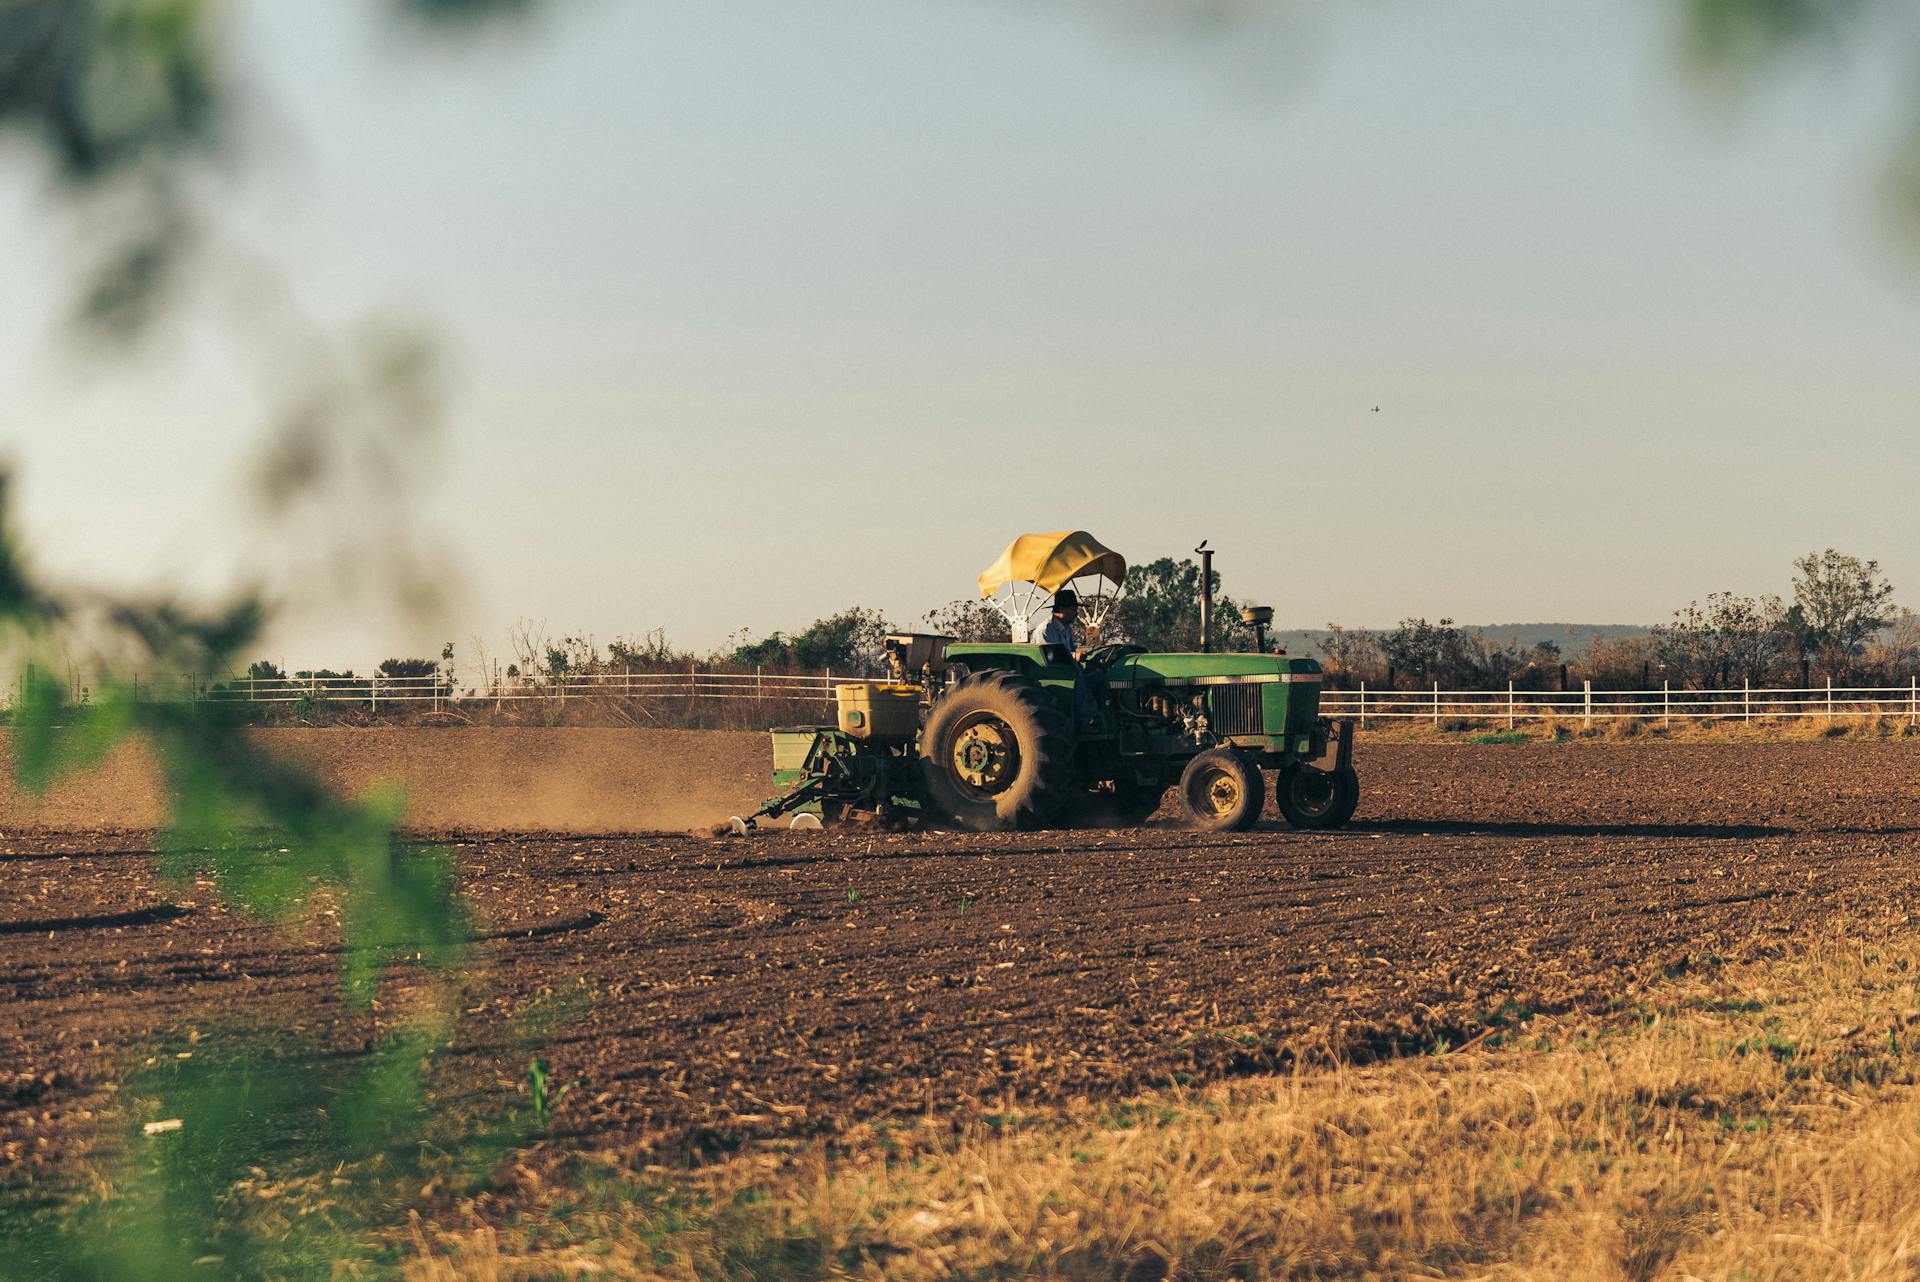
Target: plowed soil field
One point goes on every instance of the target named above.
(794, 984)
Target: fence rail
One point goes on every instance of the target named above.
(1587, 705)
(375, 692)
(1511, 706)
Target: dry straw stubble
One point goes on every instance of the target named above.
(1750, 1121)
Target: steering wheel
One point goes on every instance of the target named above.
(1105, 656)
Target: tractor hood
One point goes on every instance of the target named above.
(1221, 668)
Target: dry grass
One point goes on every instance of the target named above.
(1551, 729)
(1751, 1121)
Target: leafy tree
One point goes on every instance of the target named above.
(969, 619)
(1423, 651)
(571, 655)
(1160, 609)
(1732, 638)
(1427, 652)
(1839, 603)
(1484, 663)
(850, 641)
(409, 668)
(647, 653)
(262, 670)
(771, 651)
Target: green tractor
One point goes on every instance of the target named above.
(1000, 736)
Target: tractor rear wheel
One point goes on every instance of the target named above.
(997, 754)
(1222, 791)
(1309, 797)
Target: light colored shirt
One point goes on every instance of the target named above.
(1058, 632)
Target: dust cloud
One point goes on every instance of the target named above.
(498, 779)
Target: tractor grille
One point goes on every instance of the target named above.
(1235, 709)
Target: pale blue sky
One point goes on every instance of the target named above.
(757, 310)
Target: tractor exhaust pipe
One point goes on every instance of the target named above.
(1206, 597)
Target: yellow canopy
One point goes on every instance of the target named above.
(1048, 561)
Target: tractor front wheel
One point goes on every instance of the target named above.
(1222, 791)
(997, 754)
(1309, 797)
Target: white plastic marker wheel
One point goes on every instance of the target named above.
(738, 825)
(804, 823)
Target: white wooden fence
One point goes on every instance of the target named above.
(1510, 707)
(1513, 707)
(375, 692)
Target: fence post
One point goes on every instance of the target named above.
(1509, 705)
(1746, 699)
(1913, 701)
(1586, 702)
(1666, 702)
(1829, 698)
(373, 692)
(1436, 705)
(1363, 705)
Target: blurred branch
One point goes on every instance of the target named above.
(124, 97)
(1743, 42)
(463, 14)
(109, 83)
(1746, 36)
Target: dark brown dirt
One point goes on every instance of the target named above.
(792, 984)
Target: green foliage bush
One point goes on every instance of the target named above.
(849, 641)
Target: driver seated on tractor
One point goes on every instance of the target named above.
(1057, 645)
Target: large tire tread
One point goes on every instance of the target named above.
(1312, 809)
(1046, 781)
(1195, 793)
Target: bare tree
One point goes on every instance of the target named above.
(1731, 638)
(1353, 655)
(969, 620)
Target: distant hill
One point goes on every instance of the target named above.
(1572, 638)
